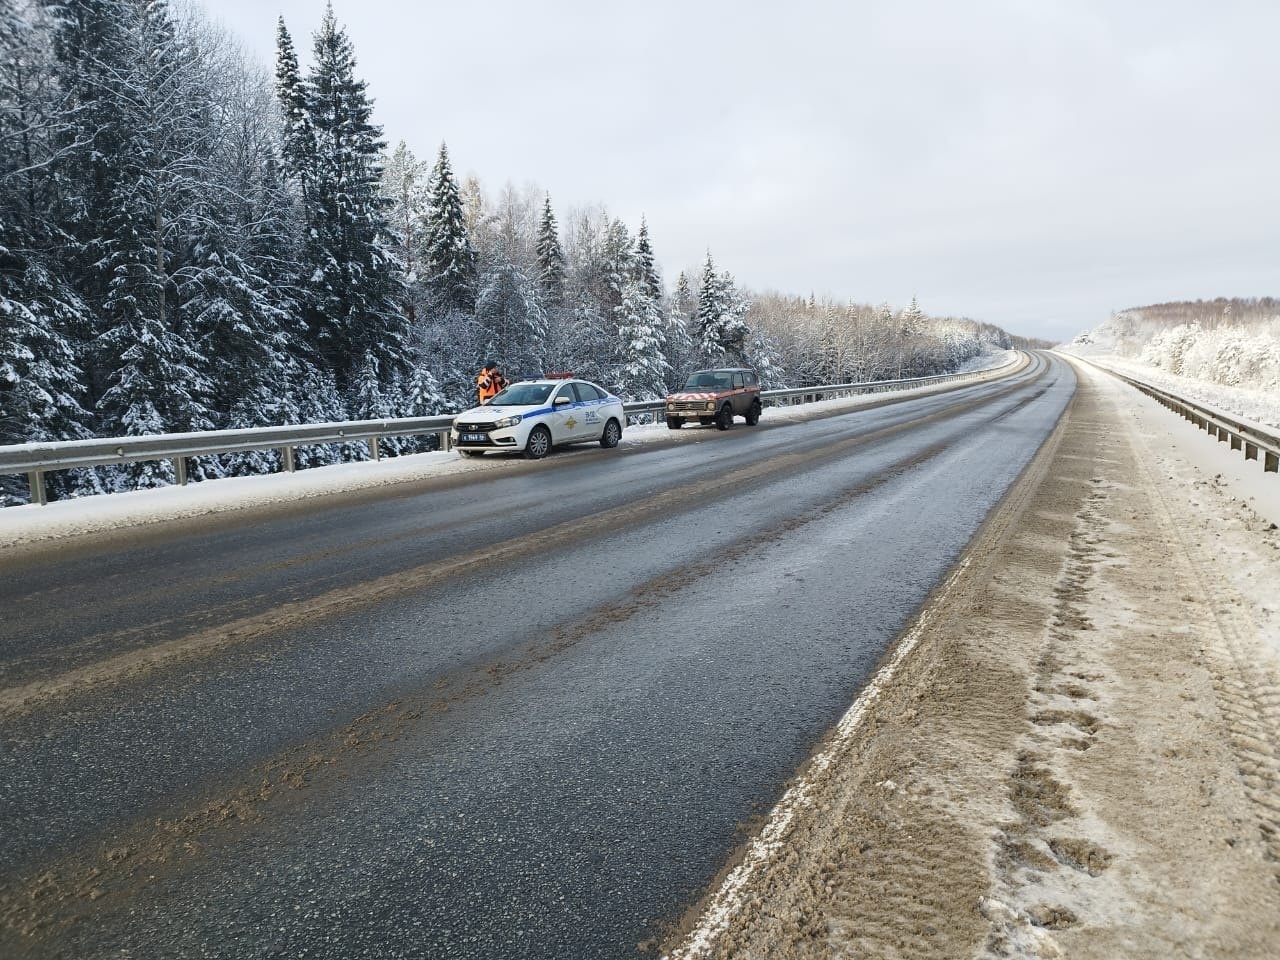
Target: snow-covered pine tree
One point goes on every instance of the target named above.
(420, 395)
(89, 60)
(144, 187)
(157, 387)
(911, 335)
(39, 385)
(642, 369)
(684, 301)
(509, 308)
(550, 257)
(235, 324)
(646, 269)
(678, 347)
(722, 330)
(448, 259)
(297, 140)
(764, 357)
(355, 289)
(404, 185)
(617, 260)
(317, 400)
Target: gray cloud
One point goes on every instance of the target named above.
(1035, 164)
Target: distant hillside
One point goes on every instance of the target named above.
(1239, 311)
(1232, 342)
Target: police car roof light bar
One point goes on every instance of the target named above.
(558, 376)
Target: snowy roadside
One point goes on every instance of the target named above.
(1077, 753)
(1259, 405)
(33, 523)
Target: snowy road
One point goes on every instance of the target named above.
(522, 711)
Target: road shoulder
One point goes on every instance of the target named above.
(1078, 757)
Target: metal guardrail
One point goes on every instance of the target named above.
(1226, 428)
(37, 459)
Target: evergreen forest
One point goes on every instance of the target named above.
(190, 241)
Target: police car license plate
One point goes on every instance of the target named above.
(473, 437)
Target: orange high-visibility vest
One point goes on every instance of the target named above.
(485, 385)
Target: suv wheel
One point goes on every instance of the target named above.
(724, 419)
(539, 444)
(753, 413)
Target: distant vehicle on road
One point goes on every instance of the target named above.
(532, 416)
(716, 396)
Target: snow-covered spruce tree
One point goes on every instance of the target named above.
(678, 347)
(236, 325)
(318, 401)
(90, 67)
(448, 259)
(683, 300)
(642, 368)
(764, 357)
(366, 399)
(354, 289)
(420, 395)
(617, 264)
(139, 186)
(404, 184)
(722, 331)
(550, 257)
(39, 379)
(510, 309)
(297, 140)
(646, 269)
(240, 283)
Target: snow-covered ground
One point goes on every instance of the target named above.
(32, 523)
(1258, 404)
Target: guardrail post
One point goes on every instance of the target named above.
(373, 449)
(180, 470)
(445, 443)
(286, 456)
(35, 480)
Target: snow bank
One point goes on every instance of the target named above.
(32, 523)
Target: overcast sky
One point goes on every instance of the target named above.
(1032, 163)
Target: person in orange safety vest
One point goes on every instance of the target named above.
(489, 382)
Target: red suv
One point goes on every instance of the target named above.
(716, 396)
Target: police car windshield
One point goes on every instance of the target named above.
(523, 394)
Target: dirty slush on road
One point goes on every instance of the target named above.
(1079, 753)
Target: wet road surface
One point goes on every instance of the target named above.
(529, 715)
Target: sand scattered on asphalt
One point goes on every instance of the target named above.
(1079, 757)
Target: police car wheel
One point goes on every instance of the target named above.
(674, 423)
(753, 414)
(539, 443)
(612, 434)
(724, 419)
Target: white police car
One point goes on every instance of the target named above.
(532, 416)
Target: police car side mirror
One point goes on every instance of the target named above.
(561, 401)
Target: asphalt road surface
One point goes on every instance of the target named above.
(523, 715)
